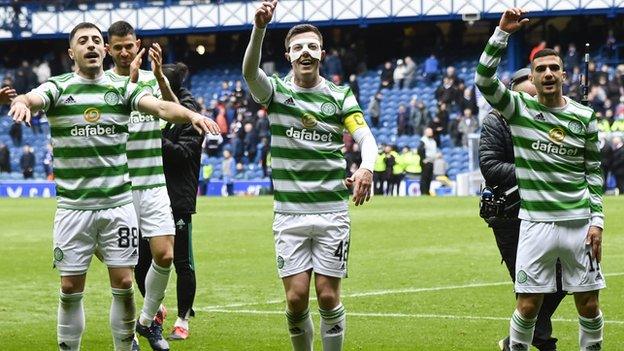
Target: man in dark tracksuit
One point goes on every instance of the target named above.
(496, 160)
(181, 150)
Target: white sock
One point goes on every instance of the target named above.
(122, 318)
(521, 331)
(155, 285)
(71, 321)
(182, 322)
(301, 330)
(590, 332)
(333, 325)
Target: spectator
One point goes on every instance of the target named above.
(265, 158)
(431, 69)
(411, 162)
(250, 142)
(15, 132)
(452, 75)
(239, 92)
(606, 162)
(47, 162)
(332, 65)
(446, 92)
(427, 151)
(262, 124)
(439, 170)
(399, 74)
(225, 90)
(403, 126)
(468, 124)
(386, 77)
(221, 118)
(468, 100)
(571, 58)
(5, 158)
(228, 171)
(25, 78)
(617, 166)
(390, 159)
(418, 116)
(379, 171)
(374, 108)
(43, 72)
(27, 162)
(410, 72)
(240, 171)
(355, 87)
(336, 79)
(397, 174)
(610, 44)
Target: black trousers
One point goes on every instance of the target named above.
(506, 232)
(182, 260)
(426, 178)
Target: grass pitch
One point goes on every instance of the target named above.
(424, 275)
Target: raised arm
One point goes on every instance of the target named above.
(494, 91)
(175, 113)
(155, 53)
(258, 82)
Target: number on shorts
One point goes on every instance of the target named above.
(591, 265)
(342, 251)
(127, 237)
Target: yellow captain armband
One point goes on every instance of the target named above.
(354, 122)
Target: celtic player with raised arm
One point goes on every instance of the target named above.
(558, 171)
(149, 192)
(89, 111)
(311, 226)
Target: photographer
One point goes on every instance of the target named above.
(500, 209)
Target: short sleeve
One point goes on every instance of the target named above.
(49, 93)
(350, 105)
(134, 93)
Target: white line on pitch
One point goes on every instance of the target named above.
(378, 293)
(405, 315)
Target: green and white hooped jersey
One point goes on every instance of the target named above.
(308, 166)
(89, 128)
(144, 148)
(557, 153)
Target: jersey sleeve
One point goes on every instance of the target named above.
(493, 90)
(49, 92)
(134, 92)
(349, 105)
(593, 172)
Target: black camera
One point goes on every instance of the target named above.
(493, 203)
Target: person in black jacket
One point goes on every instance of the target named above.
(496, 160)
(181, 150)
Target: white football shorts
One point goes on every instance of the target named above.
(539, 246)
(77, 234)
(312, 241)
(153, 209)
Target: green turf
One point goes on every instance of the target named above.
(398, 246)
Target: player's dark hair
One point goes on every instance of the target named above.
(120, 29)
(302, 28)
(80, 26)
(547, 52)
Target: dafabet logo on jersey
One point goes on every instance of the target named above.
(138, 117)
(92, 115)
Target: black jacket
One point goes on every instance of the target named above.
(496, 156)
(181, 149)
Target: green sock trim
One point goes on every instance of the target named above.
(161, 270)
(521, 322)
(70, 297)
(337, 312)
(591, 323)
(122, 292)
(297, 318)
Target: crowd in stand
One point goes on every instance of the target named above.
(457, 112)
